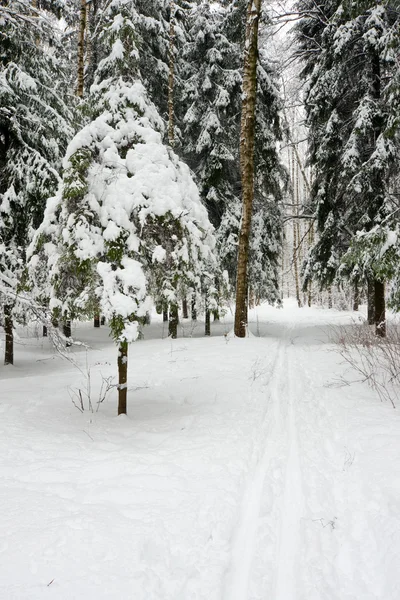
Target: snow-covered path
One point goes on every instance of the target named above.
(245, 471)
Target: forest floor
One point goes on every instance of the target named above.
(246, 469)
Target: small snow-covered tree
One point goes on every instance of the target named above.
(127, 219)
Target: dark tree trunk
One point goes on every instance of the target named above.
(193, 308)
(173, 321)
(122, 377)
(67, 331)
(8, 329)
(96, 320)
(371, 301)
(81, 49)
(185, 313)
(207, 328)
(103, 320)
(380, 312)
(247, 129)
(44, 331)
(165, 314)
(330, 304)
(356, 301)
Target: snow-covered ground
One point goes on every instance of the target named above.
(245, 470)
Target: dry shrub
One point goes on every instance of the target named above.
(376, 359)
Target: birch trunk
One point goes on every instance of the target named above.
(171, 75)
(8, 330)
(122, 377)
(81, 49)
(247, 130)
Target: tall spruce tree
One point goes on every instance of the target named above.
(211, 126)
(35, 126)
(348, 114)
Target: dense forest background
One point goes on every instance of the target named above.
(120, 162)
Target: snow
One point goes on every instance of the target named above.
(245, 469)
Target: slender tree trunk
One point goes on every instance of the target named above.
(247, 129)
(193, 308)
(171, 75)
(185, 312)
(165, 313)
(67, 331)
(173, 321)
(356, 300)
(370, 301)
(380, 312)
(103, 320)
(96, 320)
(8, 330)
(310, 243)
(330, 303)
(207, 324)
(81, 50)
(296, 229)
(122, 377)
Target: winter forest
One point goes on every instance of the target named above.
(199, 299)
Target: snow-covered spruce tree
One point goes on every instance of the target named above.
(377, 250)
(211, 126)
(34, 131)
(129, 219)
(348, 115)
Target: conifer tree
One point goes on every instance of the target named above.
(211, 126)
(35, 125)
(348, 64)
(127, 221)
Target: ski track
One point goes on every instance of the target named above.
(281, 440)
(293, 498)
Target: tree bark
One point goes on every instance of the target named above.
(81, 50)
(165, 313)
(171, 75)
(67, 331)
(8, 330)
(296, 229)
(122, 377)
(207, 324)
(247, 129)
(380, 312)
(173, 321)
(185, 313)
(193, 308)
(96, 320)
(371, 301)
(356, 300)
(330, 303)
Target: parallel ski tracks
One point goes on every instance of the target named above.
(281, 437)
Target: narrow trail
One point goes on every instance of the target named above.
(244, 541)
(281, 441)
(293, 498)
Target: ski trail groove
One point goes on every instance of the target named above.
(244, 540)
(293, 502)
